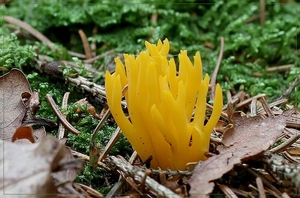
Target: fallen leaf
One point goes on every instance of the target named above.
(32, 169)
(32, 105)
(24, 132)
(12, 109)
(18, 106)
(248, 138)
(39, 133)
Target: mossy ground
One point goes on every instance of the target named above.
(252, 47)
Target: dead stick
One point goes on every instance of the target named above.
(286, 144)
(137, 174)
(30, 29)
(262, 12)
(60, 116)
(214, 75)
(291, 88)
(86, 45)
(37, 34)
(110, 144)
(64, 105)
(260, 187)
(94, 150)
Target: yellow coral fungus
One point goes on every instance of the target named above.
(166, 110)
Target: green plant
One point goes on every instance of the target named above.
(12, 54)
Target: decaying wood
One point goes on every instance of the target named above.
(137, 174)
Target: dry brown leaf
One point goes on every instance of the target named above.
(31, 169)
(12, 109)
(32, 105)
(250, 137)
(25, 134)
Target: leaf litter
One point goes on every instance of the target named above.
(33, 164)
(248, 138)
(12, 110)
(243, 139)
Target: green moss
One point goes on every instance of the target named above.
(123, 27)
(12, 54)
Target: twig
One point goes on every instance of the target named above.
(279, 68)
(273, 104)
(29, 29)
(94, 150)
(253, 106)
(278, 193)
(133, 157)
(60, 116)
(241, 192)
(291, 88)
(93, 43)
(227, 191)
(143, 182)
(87, 158)
(289, 157)
(90, 191)
(115, 189)
(17, 31)
(293, 122)
(255, 17)
(91, 60)
(286, 144)
(266, 107)
(248, 101)
(262, 12)
(64, 105)
(214, 75)
(86, 45)
(36, 34)
(86, 85)
(137, 174)
(260, 187)
(110, 144)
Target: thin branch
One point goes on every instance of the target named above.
(214, 75)
(64, 105)
(60, 116)
(86, 45)
(110, 144)
(138, 174)
(260, 187)
(291, 88)
(30, 29)
(262, 12)
(95, 150)
(34, 32)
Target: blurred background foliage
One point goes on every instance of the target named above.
(251, 48)
(194, 25)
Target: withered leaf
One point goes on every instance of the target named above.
(31, 169)
(249, 137)
(25, 134)
(12, 109)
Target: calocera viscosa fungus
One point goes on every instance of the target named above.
(166, 109)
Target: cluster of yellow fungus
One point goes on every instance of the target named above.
(166, 109)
